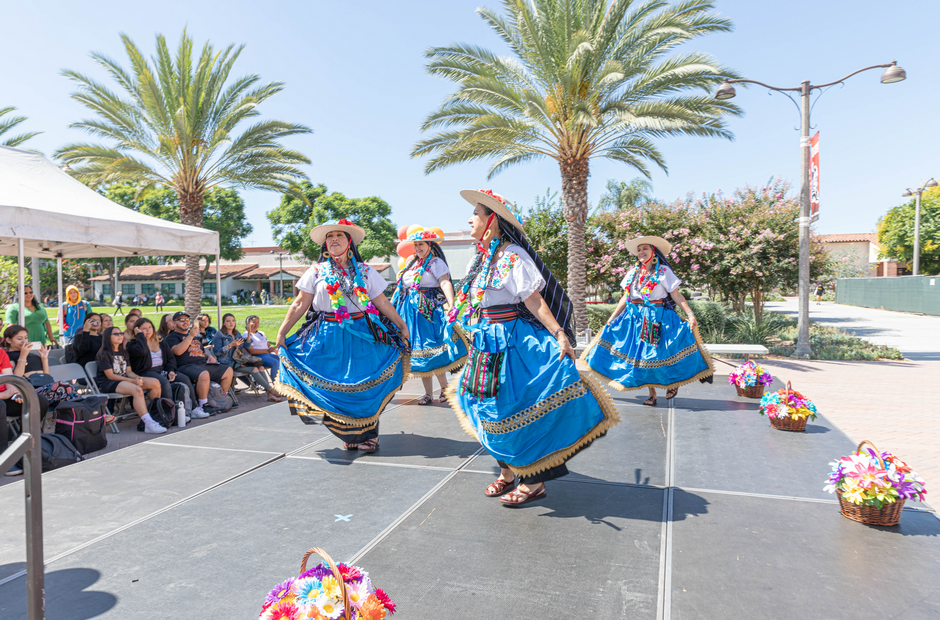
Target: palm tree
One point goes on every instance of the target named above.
(621, 195)
(11, 122)
(586, 79)
(173, 124)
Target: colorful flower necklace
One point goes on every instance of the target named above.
(464, 306)
(418, 272)
(339, 281)
(646, 284)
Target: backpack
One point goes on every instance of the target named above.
(58, 451)
(218, 400)
(181, 394)
(163, 412)
(81, 420)
(70, 356)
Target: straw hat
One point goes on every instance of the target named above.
(495, 203)
(658, 242)
(424, 235)
(357, 233)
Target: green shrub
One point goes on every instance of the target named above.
(710, 316)
(598, 315)
(832, 343)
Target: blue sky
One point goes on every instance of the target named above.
(354, 72)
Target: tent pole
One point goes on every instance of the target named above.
(60, 318)
(21, 290)
(34, 267)
(218, 289)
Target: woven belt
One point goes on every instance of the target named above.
(331, 318)
(640, 302)
(499, 314)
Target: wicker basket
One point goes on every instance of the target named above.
(336, 573)
(887, 515)
(789, 424)
(753, 391)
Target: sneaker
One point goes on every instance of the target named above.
(199, 413)
(16, 470)
(154, 428)
(210, 410)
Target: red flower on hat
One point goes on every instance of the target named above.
(490, 192)
(345, 222)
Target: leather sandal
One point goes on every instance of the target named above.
(518, 497)
(500, 487)
(651, 401)
(672, 393)
(442, 398)
(370, 445)
(350, 446)
(425, 400)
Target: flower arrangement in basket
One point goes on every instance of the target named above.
(872, 486)
(749, 379)
(328, 591)
(787, 409)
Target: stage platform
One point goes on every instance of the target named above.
(693, 509)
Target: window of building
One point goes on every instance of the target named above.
(168, 288)
(106, 289)
(147, 289)
(128, 289)
(208, 288)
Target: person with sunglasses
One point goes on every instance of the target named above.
(116, 376)
(193, 361)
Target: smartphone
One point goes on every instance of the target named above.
(35, 346)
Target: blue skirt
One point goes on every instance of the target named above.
(544, 410)
(627, 363)
(434, 350)
(338, 374)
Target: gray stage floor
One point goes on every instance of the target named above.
(693, 509)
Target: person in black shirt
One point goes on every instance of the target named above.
(151, 357)
(193, 361)
(116, 376)
(87, 342)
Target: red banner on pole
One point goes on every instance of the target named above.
(814, 178)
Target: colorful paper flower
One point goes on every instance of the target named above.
(861, 479)
(283, 610)
(372, 609)
(331, 587)
(307, 591)
(330, 607)
(385, 600)
(749, 374)
(787, 403)
(279, 591)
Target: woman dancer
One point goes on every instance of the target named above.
(424, 287)
(520, 393)
(348, 360)
(645, 342)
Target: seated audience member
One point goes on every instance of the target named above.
(226, 342)
(193, 361)
(11, 406)
(17, 348)
(116, 376)
(151, 357)
(166, 326)
(258, 345)
(206, 329)
(87, 342)
(106, 322)
(129, 322)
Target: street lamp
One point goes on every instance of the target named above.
(280, 272)
(893, 73)
(907, 194)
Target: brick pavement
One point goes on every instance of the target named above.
(894, 404)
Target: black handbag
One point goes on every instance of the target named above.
(81, 421)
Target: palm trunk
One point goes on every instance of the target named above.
(191, 214)
(574, 176)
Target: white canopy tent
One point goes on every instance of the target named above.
(45, 213)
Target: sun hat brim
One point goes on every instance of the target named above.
(318, 233)
(429, 236)
(658, 242)
(478, 196)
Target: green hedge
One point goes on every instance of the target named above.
(598, 315)
(710, 316)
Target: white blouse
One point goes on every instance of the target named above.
(314, 282)
(668, 282)
(432, 277)
(513, 278)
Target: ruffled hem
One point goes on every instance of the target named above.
(318, 412)
(456, 364)
(608, 381)
(606, 403)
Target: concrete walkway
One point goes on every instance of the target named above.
(916, 336)
(894, 404)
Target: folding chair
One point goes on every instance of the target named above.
(56, 357)
(91, 369)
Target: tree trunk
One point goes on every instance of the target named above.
(757, 296)
(574, 176)
(191, 214)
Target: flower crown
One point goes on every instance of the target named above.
(423, 235)
(514, 209)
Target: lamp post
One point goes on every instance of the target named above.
(907, 193)
(892, 74)
(280, 271)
